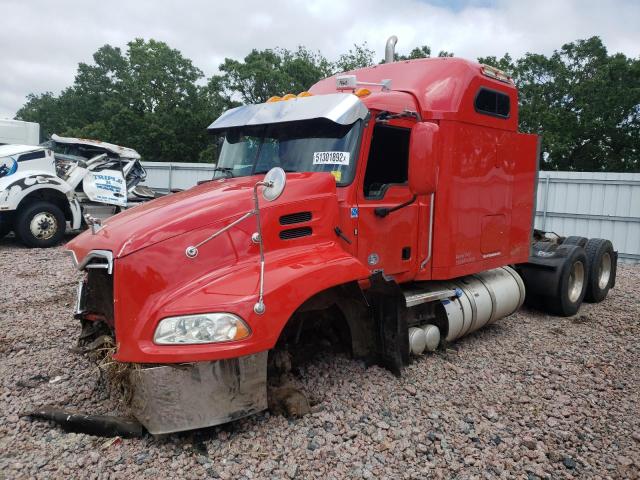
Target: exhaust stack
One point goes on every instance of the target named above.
(390, 49)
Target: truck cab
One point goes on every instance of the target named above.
(390, 202)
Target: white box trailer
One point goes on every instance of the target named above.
(19, 132)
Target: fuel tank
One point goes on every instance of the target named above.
(465, 304)
(482, 299)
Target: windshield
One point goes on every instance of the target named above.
(306, 146)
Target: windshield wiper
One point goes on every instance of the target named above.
(286, 170)
(227, 170)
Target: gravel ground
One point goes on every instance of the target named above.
(532, 396)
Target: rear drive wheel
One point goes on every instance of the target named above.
(574, 240)
(601, 269)
(572, 284)
(40, 224)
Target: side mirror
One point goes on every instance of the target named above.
(423, 161)
(274, 183)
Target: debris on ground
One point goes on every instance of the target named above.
(532, 396)
(98, 425)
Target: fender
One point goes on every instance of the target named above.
(21, 185)
(292, 276)
(76, 214)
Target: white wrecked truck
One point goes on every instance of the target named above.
(65, 180)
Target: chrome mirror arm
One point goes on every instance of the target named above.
(260, 307)
(192, 250)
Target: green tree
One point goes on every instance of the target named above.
(505, 63)
(419, 52)
(584, 102)
(51, 112)
(359, 56)
(147, 98)
(423, 51)
(264, 73)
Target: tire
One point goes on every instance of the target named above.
(572, 282)
(40, 225)
(580, 241)
(6, 225)
(601, 269)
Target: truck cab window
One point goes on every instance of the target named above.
(32, 156)
(388, 161)
(493, 103)
(315, 145)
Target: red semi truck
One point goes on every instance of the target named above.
(392, 204)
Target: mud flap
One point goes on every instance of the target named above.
(614, 272)
(389, 307)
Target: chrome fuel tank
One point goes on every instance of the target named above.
(482, 299)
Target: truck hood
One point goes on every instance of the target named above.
(122, 152)
(206, 204)
(11, 150)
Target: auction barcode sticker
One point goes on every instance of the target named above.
(331, 158)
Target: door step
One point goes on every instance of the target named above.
(417, 297)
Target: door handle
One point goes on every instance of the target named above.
(384, 211)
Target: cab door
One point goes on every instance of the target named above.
(388, 214)
(106, 186)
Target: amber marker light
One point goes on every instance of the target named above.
(362, 92)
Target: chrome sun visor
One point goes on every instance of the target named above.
(341, 108)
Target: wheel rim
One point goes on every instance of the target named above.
(43, 225)
(604, 271)
(576, 281)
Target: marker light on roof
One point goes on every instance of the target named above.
(492, 72)
(350, 82)
(346, 82)
(273, 99)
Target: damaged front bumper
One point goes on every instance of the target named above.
(173, 398)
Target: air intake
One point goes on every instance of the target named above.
(292, 233)
(298, 217)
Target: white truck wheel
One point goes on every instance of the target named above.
(40, 224)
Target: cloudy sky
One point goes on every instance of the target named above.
(42, 41)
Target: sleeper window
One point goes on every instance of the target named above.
(493, 103)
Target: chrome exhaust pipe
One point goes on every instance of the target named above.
(390, 49)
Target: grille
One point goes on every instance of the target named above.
(292, 233)
(298, 217)
(98, 294)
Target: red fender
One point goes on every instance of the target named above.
(292, 276)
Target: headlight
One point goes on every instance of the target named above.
(203, 328)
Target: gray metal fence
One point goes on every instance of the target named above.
(589, 204)
(594, 205)
(165, 176)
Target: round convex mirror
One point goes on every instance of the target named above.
(275, 180)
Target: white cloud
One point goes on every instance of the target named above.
(43, 41)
